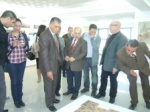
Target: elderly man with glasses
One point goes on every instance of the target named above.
(109, 63)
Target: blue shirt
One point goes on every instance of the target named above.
(86, 37)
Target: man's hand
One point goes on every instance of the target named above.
(50, 75)
(15, 43)
(67, 58)
(21, 44)
(132, 72)
(92, 35)
(72, 59)
(114, 70)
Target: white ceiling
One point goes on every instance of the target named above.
(89, 9)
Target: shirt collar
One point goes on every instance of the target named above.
(134, 53)
(51, 32)
(75, 38)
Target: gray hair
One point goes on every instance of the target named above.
(55, 19)
(133, 43)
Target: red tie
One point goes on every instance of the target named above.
(73, 45)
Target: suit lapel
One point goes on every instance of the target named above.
(139, 54)
(77, 44)
(51, 37)
(114, 40)
(70, 42)
(127, 57)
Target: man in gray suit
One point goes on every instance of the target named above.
(108, 61)
(50, 59)
(91, 60)
(75, 51)
(131, 58)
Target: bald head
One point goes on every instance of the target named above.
(77, 32)
(115, 27)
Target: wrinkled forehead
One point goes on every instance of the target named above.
(77, 30)
(115, 22)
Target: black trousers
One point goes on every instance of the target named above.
(58, 80)
(113, 83)
(2, 89)
(64, 68)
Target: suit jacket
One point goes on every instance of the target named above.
(49, 54)
(95, 45)
(116, 44)
(3, 44)
(79, 52)
(62, 46)
(65, 37)
(126, 63)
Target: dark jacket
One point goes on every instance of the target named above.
(3, 44)
(109, 60)
(65, 37)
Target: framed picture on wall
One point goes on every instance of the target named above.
(144, 32)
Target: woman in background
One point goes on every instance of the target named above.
(35, 50)
(17, 57)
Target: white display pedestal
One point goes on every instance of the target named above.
(71, 107)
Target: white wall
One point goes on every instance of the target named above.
(140, 17)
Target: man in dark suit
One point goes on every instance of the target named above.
(7, 19)
(66, 37)
(108, 61)
(130, 59)
(50, 59)
(75, 49)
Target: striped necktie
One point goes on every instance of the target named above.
(134, 57)
(73, 44)
(56, 42)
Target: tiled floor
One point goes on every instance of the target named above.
(34, 94)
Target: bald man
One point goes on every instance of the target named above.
(75, 50)
(108, 61)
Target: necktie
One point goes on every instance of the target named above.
(56, 42)
(73, 45)
(134, 57)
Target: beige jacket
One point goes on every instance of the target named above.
(35, 49)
